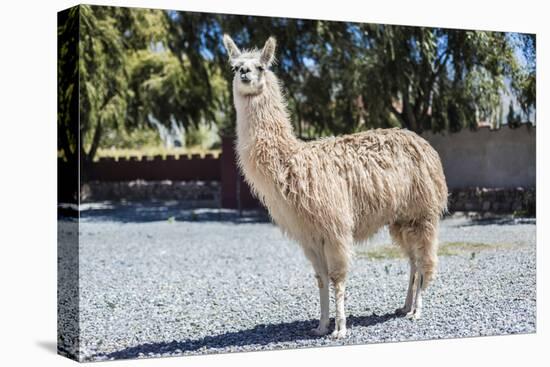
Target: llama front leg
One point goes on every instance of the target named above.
(316, 257)
(340, 321)
(323, 283)
(337, 258)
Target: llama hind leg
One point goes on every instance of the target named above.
(407, 308)
(426, 261)
(419, 241)
(398, 233)
(321, 274)
(416, 310)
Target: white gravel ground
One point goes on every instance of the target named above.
(158, 280)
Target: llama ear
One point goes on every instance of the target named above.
(268, 52)
(232, 49)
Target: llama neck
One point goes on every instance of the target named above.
(263, 121)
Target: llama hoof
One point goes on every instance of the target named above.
(402, 311)
(338, 334)
(413, 315)
(319, 331)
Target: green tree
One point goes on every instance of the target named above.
(67, 86)
(140, 65)
(110, 38)
(342, 77)
(103, 81)
(525, 82)
(439, 79)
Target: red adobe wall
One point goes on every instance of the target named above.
(235, 192)
(156, 168)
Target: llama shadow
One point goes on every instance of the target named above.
(259, 335)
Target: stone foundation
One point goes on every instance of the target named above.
(515, 200)
(196, 193)
(207, 194)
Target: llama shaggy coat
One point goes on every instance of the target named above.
(333, 192)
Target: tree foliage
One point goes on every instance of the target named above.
(67, 86)
(526, 82)
(138, 65)
(102, 74)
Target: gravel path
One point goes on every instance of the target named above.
(165, 281)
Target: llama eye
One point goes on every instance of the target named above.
(234, 69)
(261, 68)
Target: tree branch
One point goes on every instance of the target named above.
(426, 93)
(89, 156)
(441, 61)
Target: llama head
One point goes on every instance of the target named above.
(250, 66)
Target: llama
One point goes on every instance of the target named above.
(333, 192)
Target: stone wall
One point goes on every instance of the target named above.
(194, 193)
(504, 158)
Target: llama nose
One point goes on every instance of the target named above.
(244, 78)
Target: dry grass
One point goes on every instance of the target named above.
(445, 249)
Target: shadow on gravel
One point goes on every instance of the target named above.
(498, 221)
(141, 212)
(259, 335)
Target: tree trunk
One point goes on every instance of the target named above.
(408, 114)
(95, 141)
(86, 158)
